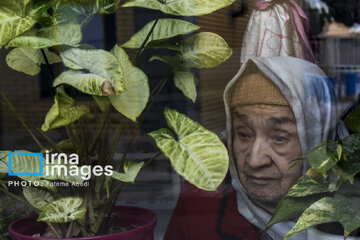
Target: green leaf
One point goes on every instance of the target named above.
(82, 11)
(4, 154)
(324, 156)
(172, 61)
(289, 208)
(164, 29)
(38, 198)
(133, 101)
(351, 144)
(29, 60)
(307, 185)
(75, 11)
(3, 167)
(131, 170)
(351, 166)
(322, 211)
(65, 34)
(99, 63)
(4, 161)
(18, 16)
(66, 145)
(63, 210)
(347, 200)
(194, 152)
(350, 161)
(202, 50)
(108, 6)
(181, 7)
(185, 81)
(85, 82)
(352, 121)
(63, 112)
(103, 103)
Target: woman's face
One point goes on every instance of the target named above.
(265, 141)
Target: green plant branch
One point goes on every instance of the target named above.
(70, 230)
(20, 118)
(107, 207)
(114, 144)
(51, 89)
(152, 159)
(146, 39)
(52, 143)
(98, 130)
(54, 230)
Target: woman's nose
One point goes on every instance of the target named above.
(257, 156)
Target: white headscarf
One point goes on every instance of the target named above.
(317, 112)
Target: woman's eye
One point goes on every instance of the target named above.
(243, 136)
(280, 140)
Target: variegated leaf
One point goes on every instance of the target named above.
(131, 170)
(18, 16)
(324, 156)
(185, 82)
(106, 75)
(307, 185)
(133, 101)
(29, 60)
(194, 152)
(347, 201)
(66, 34)
(322, 211)
(63, 112)
(164, 29)
(63, 210)
(37, 197)
(202, 50)
(289, 208)
(181, 7)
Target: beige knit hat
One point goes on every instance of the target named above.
(256, 88)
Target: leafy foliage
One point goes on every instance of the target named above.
(29, 60)
(63, 112)
(315, 199)
(194, 152)
(50, 32)
(181, 7)
(165, 28)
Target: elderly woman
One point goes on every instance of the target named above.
(277, 109)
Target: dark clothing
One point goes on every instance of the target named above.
(209, 215)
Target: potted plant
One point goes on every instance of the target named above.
(328, 195)
(72, 185)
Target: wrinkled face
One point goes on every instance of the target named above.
(265, 141)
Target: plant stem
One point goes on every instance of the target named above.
(48, 139)
(151, 159)
(99, 129)
(146, 39)
(114, 144)
(70, 229)
(20, 118)
(54, 230)
(47, 64)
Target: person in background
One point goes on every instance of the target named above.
(277, 109)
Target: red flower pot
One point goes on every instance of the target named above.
(126, 216)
